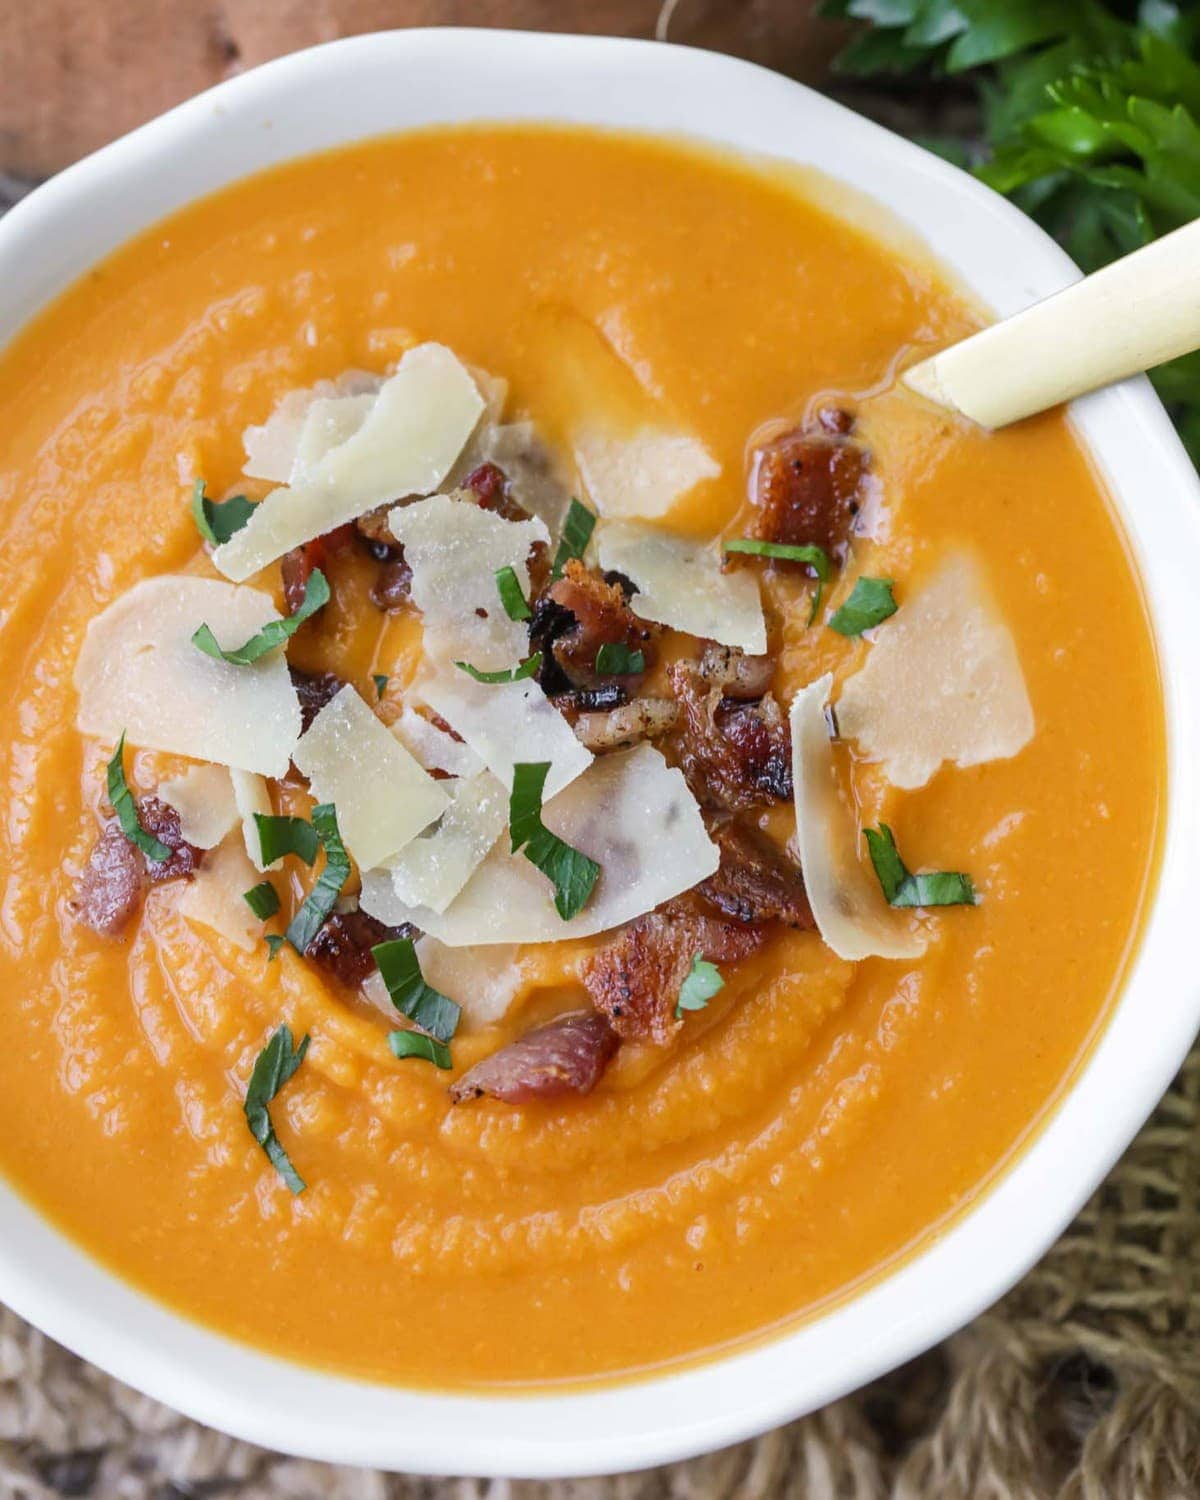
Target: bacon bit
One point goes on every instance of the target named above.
(807, 486)
(162, 821)
(373, 529)
(644, 719)
(343, 945)
(392, 588)
(736, 674)
(635, 979)
(297, 565)
(735, 755)
(314, 690)
(110, 885)
(755, 881)
(838, 420)
(580, 613)
(568, 1056)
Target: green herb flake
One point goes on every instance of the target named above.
(576, 534)
(571, 872)
(512, 596)
(321, 900)
(417, 1044)
(280, 835)
(274, 633)
(400, 970)
(902, 888)
(274, 941)
(262, 899)
(381, 682)
(126, 809)
(702, 983)
(276, 1064)
(811, 555)
(617, 660)
(528, 668)
(870, 603)
(217, 521)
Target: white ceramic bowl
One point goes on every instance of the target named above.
(376, 84)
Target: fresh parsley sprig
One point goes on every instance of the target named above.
(126, 809)
(321, 900)
(902, 888)
(216, 520)
(274, 633)
(436, 1014)
(870, 603)
(527, 668)
(572, 873)
(275, 1065)
(576, 534)
(810, 554)
(703, 981)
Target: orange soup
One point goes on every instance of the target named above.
(783, 1065)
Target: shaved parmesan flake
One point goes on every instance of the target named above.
(383, 797)
(417, 427)
(680, 584)
(630, 812)
(533, 475)
(139, 671)
(252, 795)
(203, 798)
(485, 982)
(942, 682)
(505, 723)
(642, 475)
(271, 448)
(329, 422)
(432, 747)
(851, 914)
(214, 896)
(454, 549)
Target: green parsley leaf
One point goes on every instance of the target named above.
(424, 1006)
(512, 596)
(321, 900)
(276, 1064)
(274, 633)
(217, 521)
(381, 682)
(126, 809)
(281, 835)
(813, 556)
(935, 888)
(417, 1044)
(870, 602)
(262, 899)
(506, 674)
(576, 534)
(571, 872)
(616, 659)
(274, 941)
(702, 983)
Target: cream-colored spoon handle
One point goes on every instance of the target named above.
(1134, 314)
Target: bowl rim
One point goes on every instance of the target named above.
(232, 130)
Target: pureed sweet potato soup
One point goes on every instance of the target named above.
(626, 818)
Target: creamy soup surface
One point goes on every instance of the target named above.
(816, 1118)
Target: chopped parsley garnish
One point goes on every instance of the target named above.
(433, 1012)
(571, 872)
(321, 900)
(276, 1063)
(417, 1044)
(126, 809)
(576, 534)
(274, 941)
(870, 603)
(512, 596)
(381, 682)
(274, 633)
(815, 557)
(616, 659)
(702, 983)
(902, 888)
(279, 835)
(217, 521)
(506, 674)
(262, 899)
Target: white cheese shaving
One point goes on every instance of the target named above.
(203, 798)
(432, 747)
(851, 914)
(506, 723)
(484, 981)
(271, 447)
(383, 797)
(942, 682)
(252, 795)
(641, 475)
(138, 671)
(415, 430)
(454, 549)
(535, 480)
(213, 897)
(630, 812)
(329, 422)
(680, 584)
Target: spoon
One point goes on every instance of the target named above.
(1136, 313)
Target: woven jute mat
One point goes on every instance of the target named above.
(1083, 1384)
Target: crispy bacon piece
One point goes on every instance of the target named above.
(162, 821)
(735, 673)
(579, 613)
(393, 586)
(343, 944)
(756, 882)
(807, 486)
(314, 690)
(111, 884)
(568, 1056)
(635, 979)
(643, 719)
(374, 531)
(296, 566)
(735, 755)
